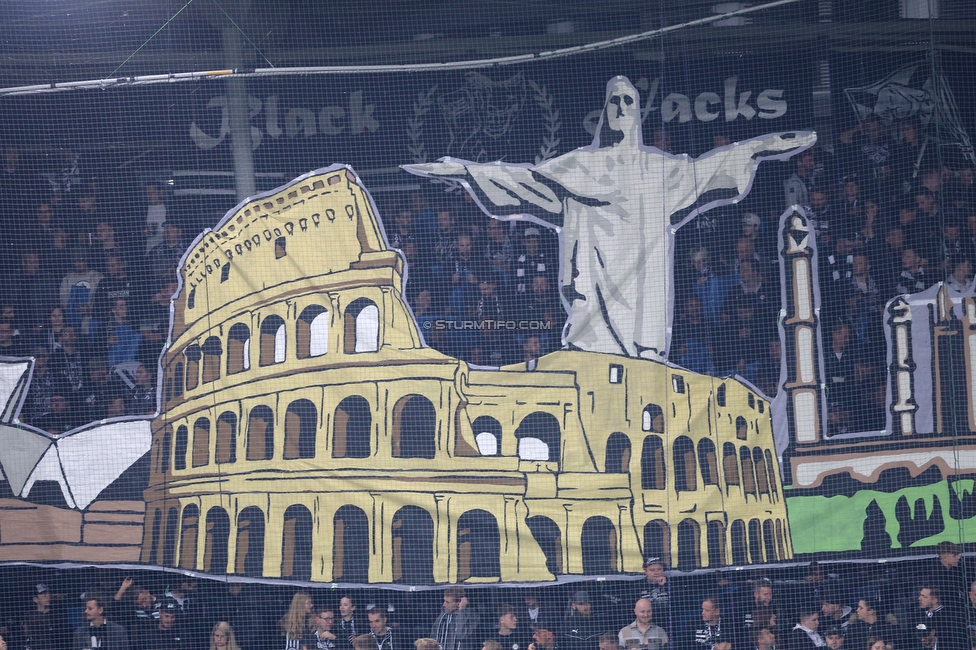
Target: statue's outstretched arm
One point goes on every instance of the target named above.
(776, 144)
(734, 167)
(443, 167)
(729, 168)
(503, 185)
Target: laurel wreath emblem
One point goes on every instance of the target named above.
(550, 116)
(423, 104)
(415, 125)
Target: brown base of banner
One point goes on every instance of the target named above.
(108, 531)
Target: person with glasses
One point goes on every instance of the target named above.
(321, 637)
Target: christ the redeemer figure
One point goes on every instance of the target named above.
(613, 203)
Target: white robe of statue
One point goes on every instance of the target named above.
(616, 203)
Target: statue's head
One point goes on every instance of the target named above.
(621, 115)
(622, 110)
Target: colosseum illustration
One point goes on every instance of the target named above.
(307, 433)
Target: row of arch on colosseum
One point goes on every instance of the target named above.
(203, 363)
(205, 536)
(199, 443)
(209, 539)
(751, 470)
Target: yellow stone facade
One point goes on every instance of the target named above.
(306, 433)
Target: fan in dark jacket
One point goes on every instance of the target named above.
(454, 628)
(99, 632)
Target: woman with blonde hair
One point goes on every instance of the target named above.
(222, 637)
(294, 624)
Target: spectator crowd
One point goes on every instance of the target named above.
(891, 215)
(923, 604)
(90, 271)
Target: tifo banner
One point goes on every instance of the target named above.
(556, 326)
(380, 120)
(919, 93)
(523, 324)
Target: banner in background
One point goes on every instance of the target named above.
(920, 91)
(436, 471)
(381, 120)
